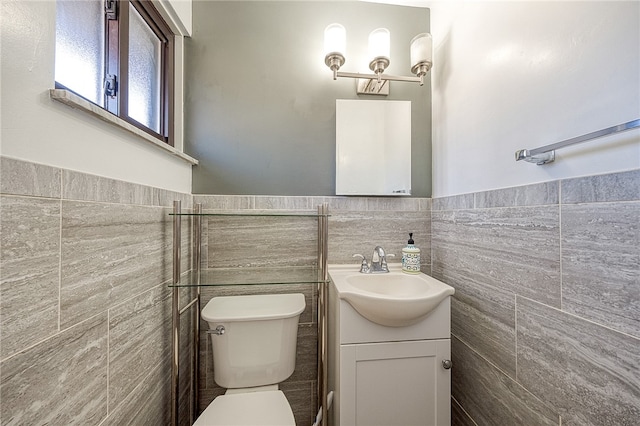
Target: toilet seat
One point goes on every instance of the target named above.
(268, 408)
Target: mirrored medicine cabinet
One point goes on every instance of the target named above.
(373, 147)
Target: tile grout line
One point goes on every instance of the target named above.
(60, 257)
(590, 321)
(491, 363)
(53, 336)
(560, 240)
(500, 370)
(515, 310)
(465, 411)
(108, 356)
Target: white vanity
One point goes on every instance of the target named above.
(388, 374)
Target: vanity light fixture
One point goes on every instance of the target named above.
(335, 41)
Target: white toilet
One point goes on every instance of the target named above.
(255, 350)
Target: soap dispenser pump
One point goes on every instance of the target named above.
(411, 257)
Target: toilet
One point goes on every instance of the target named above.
(254, 348)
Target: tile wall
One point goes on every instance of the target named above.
(545, 320)
(85, 311)
(356, 225)
(546, 316)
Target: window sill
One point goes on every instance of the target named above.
(77, 102)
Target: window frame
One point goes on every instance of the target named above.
(116, 63)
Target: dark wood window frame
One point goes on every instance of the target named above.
(117, 64)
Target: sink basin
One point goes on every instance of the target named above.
(393, 299)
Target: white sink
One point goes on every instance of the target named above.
(393, 299)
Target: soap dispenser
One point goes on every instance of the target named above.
(411, 257)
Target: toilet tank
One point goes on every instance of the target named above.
(258, 346)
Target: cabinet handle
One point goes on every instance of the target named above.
(447, 364)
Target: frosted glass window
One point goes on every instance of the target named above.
(144, 72)
(80, 48)
(118, 55)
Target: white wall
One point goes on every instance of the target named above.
(35, 128)
(179, 12)
(511, 75)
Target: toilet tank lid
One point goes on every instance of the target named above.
(253, 307)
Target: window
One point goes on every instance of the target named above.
(118, 54)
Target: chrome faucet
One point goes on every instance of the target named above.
(378, 263)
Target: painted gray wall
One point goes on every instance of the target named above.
(260, 103)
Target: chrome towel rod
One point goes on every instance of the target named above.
(547, 154)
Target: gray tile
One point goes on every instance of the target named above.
(301, 399)
(139, 341)
(262, 241)
(624, 186)
(519, 196)
(489, 396)
(206, 396)
(210, 376)
(185, 370)
(29, 260)
(601, 263)
(306, 355)
(148, 404)
(187, 292)
(360, 232)
(204, 243)
(263, 202)
(186, 231)
(206, 378)
(393, 204)
(458, 416)
(425, 268)
(455, 202)
(591, 374)
(425, 204)
(165, 198)
(316, 201)
(61, 381)
(346, 203)
(87, 187)
(484, 318)
(109, 254)
(26, 178)
(514, 249)
(225, 202)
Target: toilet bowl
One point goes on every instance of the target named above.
(254, 348)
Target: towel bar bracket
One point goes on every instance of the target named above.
(539, 159)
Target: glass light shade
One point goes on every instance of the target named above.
(335, 39)
(379, 43)
(421, 49)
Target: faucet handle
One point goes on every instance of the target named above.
(384, 266)
(364, 266)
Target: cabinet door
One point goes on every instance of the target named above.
(395, 384)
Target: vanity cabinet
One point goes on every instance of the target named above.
(388, 375)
